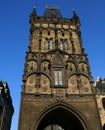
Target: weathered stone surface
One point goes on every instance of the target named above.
(57, 80)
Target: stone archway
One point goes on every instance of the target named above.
(63, 116)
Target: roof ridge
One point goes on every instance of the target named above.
(52, 7)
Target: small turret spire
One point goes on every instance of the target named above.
(46, 6)
(33, 14)
(35, 6)
(74, 13)
(76, 17)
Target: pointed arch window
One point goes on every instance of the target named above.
(58, 77)
(48, 43)
(63, 44)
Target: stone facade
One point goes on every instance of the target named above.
(6, 107)
(57, 83)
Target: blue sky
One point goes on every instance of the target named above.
(14, 38)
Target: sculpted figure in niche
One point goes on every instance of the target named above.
(83, 67)
(31, 66)
(71, 67)
(45, 66)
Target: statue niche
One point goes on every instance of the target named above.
(83, 68)
(31, 66)
(72, 85)
(70, 68)
(45, 85)
(30, 84)
(85, 85)
(45, 66)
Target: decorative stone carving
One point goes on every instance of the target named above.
(60, 94)
(45, 25)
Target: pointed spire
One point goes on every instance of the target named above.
(76, 17)
(33, 14)
(34, 6)
(34, 11)
(74, 13)
(46, 6)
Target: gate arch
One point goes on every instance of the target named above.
(61, 114)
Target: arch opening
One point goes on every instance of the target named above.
(60, 119)
(53, 127)
(104, 127)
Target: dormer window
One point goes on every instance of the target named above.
(63, 44)
(48, 43)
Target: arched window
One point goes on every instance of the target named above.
(63, 44)
(58, 77)
(49, 43)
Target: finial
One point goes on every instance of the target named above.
(46, 6)
(34, 12)
(35, 6)
(74, 13)
(73, 9)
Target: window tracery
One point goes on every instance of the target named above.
(63, 44)
(48, 43)
(58, 77)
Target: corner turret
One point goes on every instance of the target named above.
(33, 15)
(76, 17)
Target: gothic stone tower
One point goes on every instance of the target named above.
(57, 81)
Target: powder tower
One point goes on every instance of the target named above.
(57, 91)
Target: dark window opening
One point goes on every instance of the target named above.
(103, 102)
(1, 112)
(104, 127)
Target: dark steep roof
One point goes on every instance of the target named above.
(52, 12)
